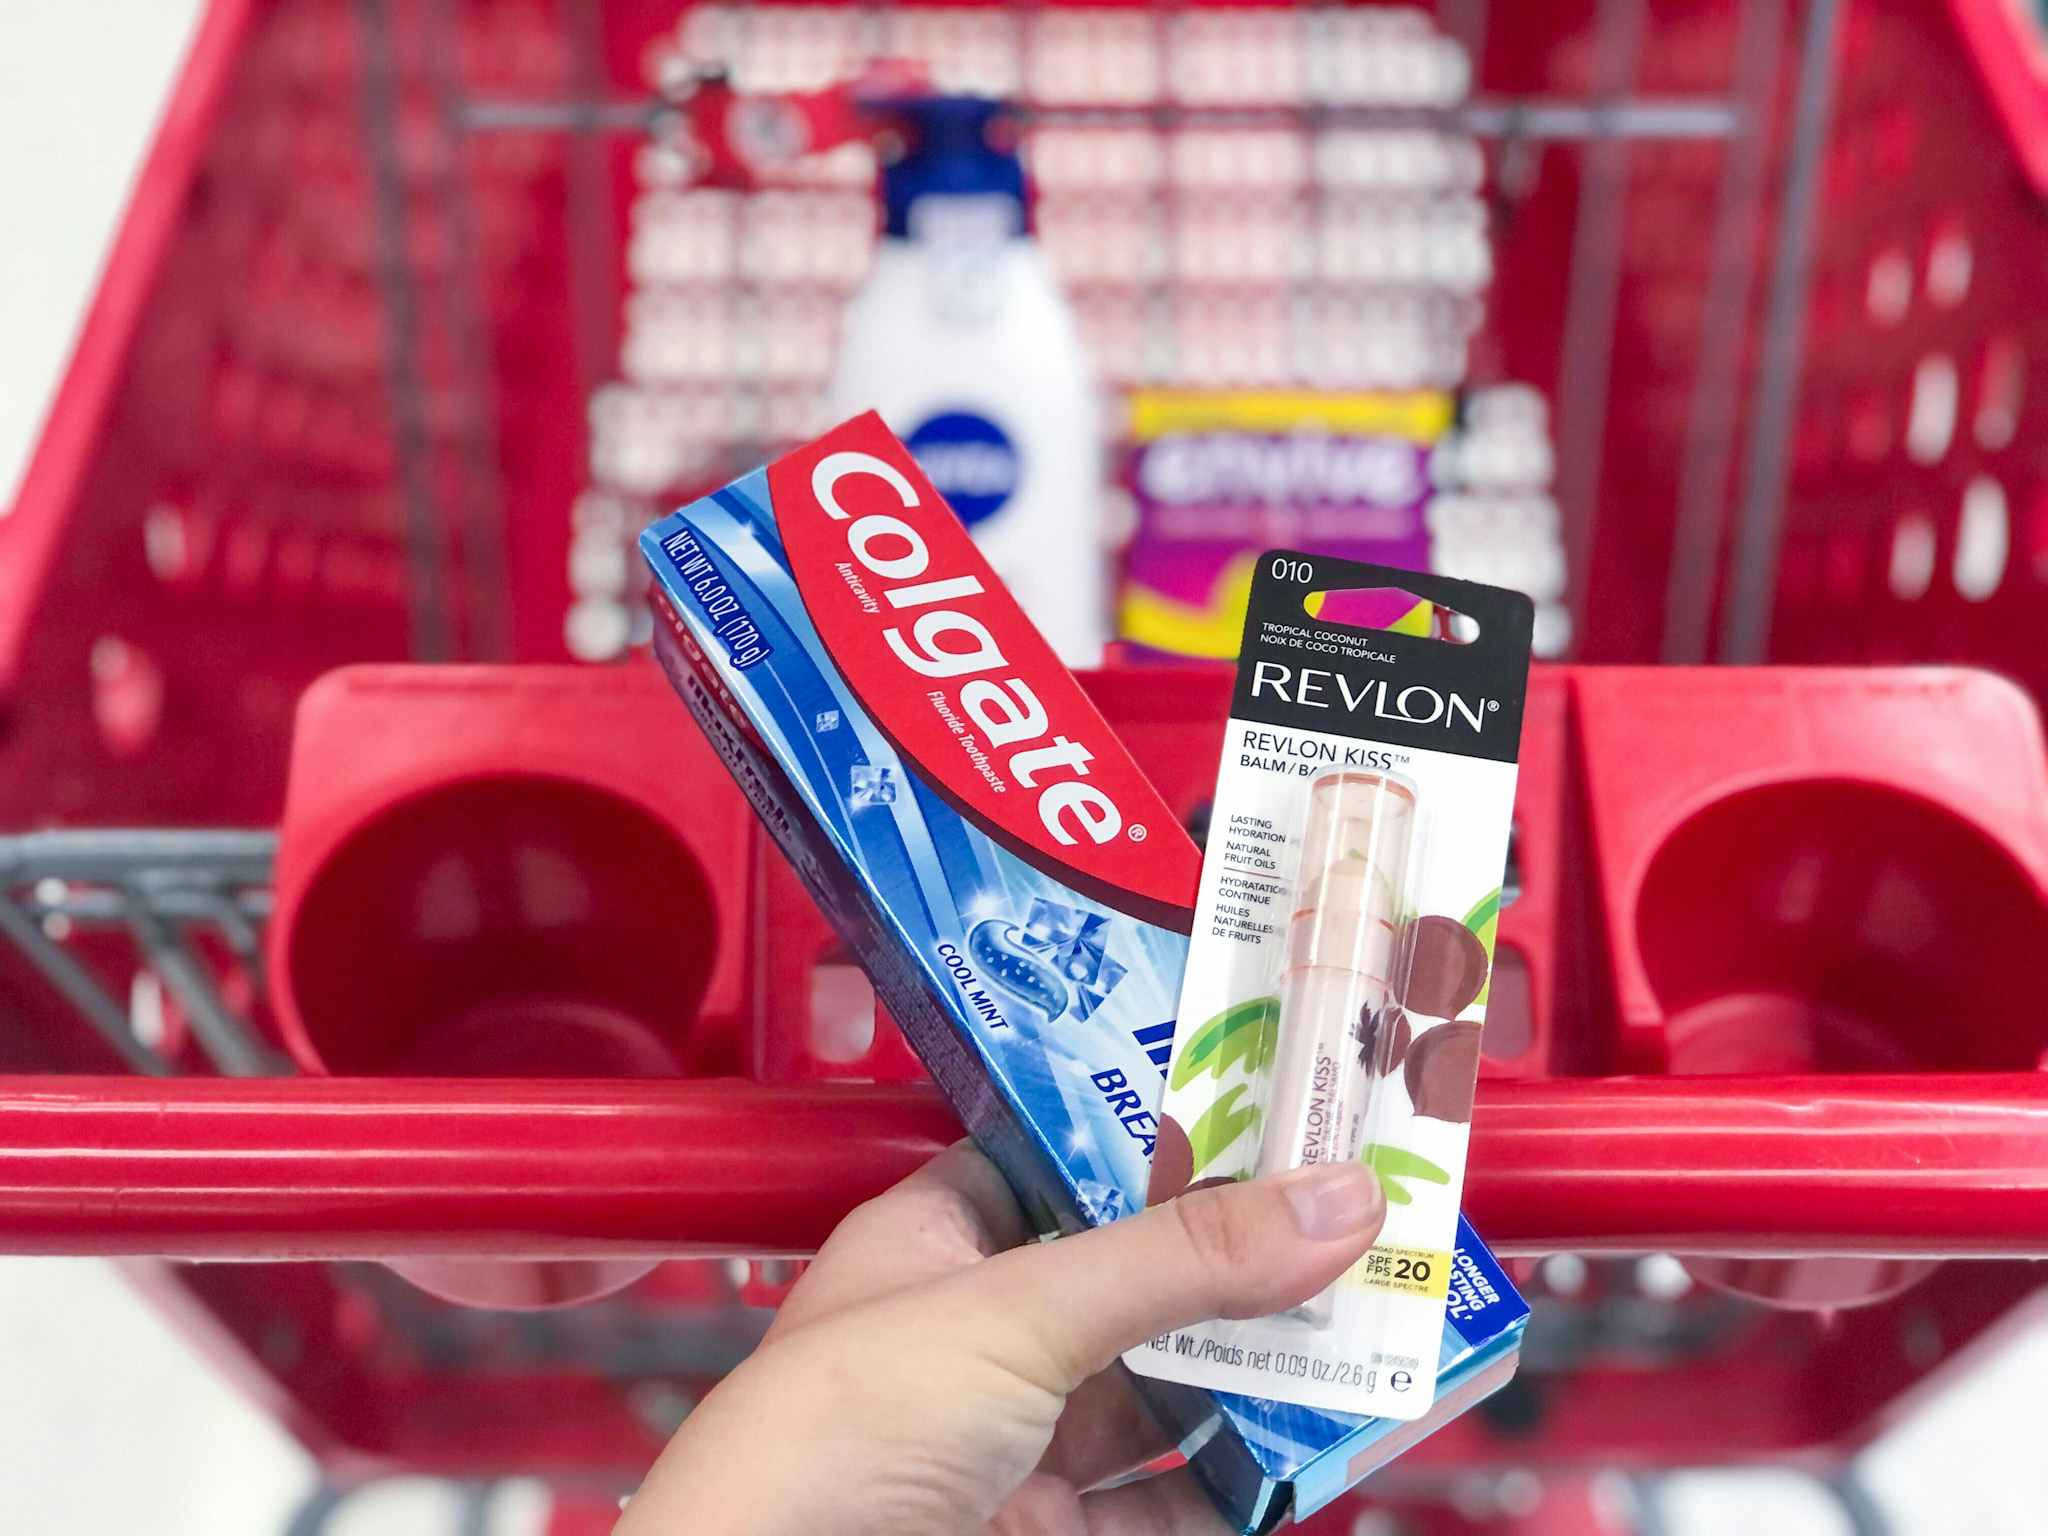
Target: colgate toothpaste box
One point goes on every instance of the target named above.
(1016, 889)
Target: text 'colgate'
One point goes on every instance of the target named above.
(956, 676)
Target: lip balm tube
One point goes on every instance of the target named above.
(1341, 953)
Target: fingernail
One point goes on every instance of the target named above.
(1333, 1200)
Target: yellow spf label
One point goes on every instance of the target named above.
(1404, 1271)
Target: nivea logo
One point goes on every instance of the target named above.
(970, 459)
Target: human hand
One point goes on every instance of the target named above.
(935, 1372)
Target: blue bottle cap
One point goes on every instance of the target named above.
(949, 151)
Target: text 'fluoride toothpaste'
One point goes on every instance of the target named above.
(1016, 889)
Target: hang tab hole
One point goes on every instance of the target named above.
(842, 1013)
(1983, 536)
(1392, 610)
(2001, 379)
(1912, 565)
(1931, 421)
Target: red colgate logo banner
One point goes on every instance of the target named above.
(939, 654)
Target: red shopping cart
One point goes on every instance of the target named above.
(344, 399)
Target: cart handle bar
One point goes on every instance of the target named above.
(337, 1168)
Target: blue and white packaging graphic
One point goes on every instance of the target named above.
(1017, 891)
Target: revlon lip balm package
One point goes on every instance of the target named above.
(1016, 889)
(1337, 975)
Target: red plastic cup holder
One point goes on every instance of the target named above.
(505, 927)
(1832, 926)
(526, 872)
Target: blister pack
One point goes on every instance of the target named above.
(1337, 975)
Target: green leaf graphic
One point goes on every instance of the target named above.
(1393, 1164)
(1242, 1032)
(1221, 1124)
(1484, 911)
(1253, 1040)
(1484, 921)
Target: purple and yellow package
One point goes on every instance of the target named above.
(1217, 476)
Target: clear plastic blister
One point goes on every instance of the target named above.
(1345, 963)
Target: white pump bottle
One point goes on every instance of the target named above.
(960, 338)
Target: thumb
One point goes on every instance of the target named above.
(1062, 1311)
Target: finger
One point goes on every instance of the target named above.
(1172, 1504)
(1169, 1505)
(1104, 1431)
(954, 1210)
(1059, 1312)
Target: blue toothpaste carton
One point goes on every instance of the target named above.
(1016, 889)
